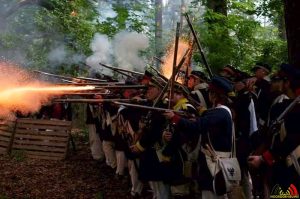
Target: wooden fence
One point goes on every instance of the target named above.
(44, 139)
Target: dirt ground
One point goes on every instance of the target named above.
(79, 176)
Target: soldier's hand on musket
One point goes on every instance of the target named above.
(98, 96)
(255, 161)
(167, 136)
(169, 114)
(250, 82)
(137, 99)
(134, 149)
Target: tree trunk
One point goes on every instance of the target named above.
(292, 23)
(219, 6)
(182, 10)
(281, 27)
(158, 29)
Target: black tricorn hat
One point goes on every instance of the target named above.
(199, 74)
(263, 66)
(289, 71)
(221, 85)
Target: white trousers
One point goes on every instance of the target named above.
(95, 143)
(212, 195)
(121, 162)
(110, 154)
(247, 185)
(137, 185)
(160, 190)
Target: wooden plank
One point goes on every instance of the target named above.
(7, 125)
(12, 138)
(39, 153)
(7, 134)
(41, 137)
(40, 143)
(32, 126)
(6, 139)
(44, 157)
(38, 148)
(45, 122)
(5, 128)
(3, 150)
(50, 133)
(4, 144)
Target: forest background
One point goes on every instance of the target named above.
(57, 35)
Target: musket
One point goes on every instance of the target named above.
(158, 59)
(272, 132)
(90, 79)
(148, 107)
(198, 45)
(276, 123)
(121, 87)
(65, 78)
(97, 100)
(174, 65)
(105, 76)
(68, 79)
(159, 74)
(287, 110)
(92, 84)
(122, 69)
(168, 83)
(87, 93)
(118, 71)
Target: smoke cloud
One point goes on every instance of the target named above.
(102, 52)
(127, 46)
(105, 11)
(59, 54)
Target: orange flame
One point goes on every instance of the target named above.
(167, 67)
(20, 92)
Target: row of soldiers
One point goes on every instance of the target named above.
(175, 151)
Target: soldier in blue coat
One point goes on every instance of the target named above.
(151, 168)
(215, 127)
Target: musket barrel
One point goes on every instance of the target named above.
(86, 93)
(118, 71)
(95, 100)
(92, 84)
(171, 94)
(148, 107)
(121, 87)
(121, 69)
(53, 75)
(69, 79)
(199, 46)
(91, 79)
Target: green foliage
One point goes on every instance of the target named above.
(75, 20)
(238, 38)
